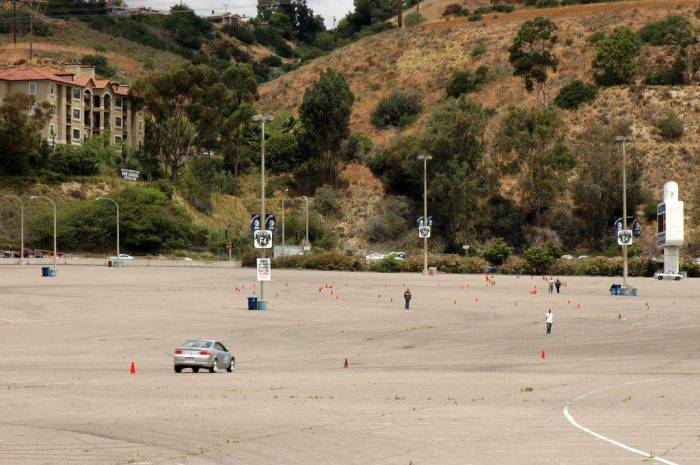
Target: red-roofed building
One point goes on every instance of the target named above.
(83, 105)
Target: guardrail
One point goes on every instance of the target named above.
(137, 262)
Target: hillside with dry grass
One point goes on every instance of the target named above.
(421, 60)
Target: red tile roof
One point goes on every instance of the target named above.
(31, 73)
(36, 73)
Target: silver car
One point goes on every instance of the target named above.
(203, 353)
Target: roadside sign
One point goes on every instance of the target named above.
(421, 222)
(424, 232)
(263, 239)
(625, 237)
(255, 223)
(634, 222)
(306, 246)
(264, 269)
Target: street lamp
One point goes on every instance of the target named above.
(262, 119)
(425, 159)
(55, 250)
(116, 205)
(284, 248)
(624, 140)
(306, 237)
(21, 225)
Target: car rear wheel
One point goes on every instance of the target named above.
(660, 278)
(231, 365)
(195, 369)
(178, 369)
(214, 366)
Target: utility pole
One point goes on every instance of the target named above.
(284, 249)
(399, 5)
(55, 251)
(624, 140)
(116, 204)
(418, 6)
(306, 237)
(21, 225)
(425, 159)
(14, 22)
(263, 223)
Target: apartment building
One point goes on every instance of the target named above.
(84, 106)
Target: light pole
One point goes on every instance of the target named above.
(624, 140)
(116, 205)
(262, 119)
(55, 250)
(306, 236)
(425, 159)
(21, 225)
(284, 249)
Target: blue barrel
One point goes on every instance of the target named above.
(252, 303)
(262, 305)
(45, 271)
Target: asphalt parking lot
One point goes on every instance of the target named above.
(457, 380)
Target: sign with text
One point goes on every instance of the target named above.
(264, 269)
(131, 175)
(263, 239)
(424, 232)
(625, 237)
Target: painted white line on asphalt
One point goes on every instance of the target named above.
(571, 419)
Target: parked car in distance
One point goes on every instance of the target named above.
(203, 353)
(661, 275)
(122, 256)
(696, 261)
(582, 257)
(567, 257)
(398, 255)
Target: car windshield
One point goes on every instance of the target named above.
(197, 344)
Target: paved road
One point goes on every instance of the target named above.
(443, 384)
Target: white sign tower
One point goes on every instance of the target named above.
(670, 231)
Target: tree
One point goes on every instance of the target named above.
(575, 93)
(531, 55)
(617, 57)
(677, 32)
(531, 143)
(325, 113)
(498, 252)
(21, 120)
(178, 135)
(597, 188)
(243, 88)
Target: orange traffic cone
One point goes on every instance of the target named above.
(132, 369)
(542, 355)
(346, 363)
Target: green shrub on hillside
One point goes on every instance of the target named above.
(464, 82)
(397, 110)
(240, 31)
(670, 126)
(72, 161)
(102, 67)
(539, 259)
(515, 266)
(674, 30)
(388, 265)
(617, 57)
(413, 19)
(574, 94)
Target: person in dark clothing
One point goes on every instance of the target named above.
(407, 297)
(557, 284)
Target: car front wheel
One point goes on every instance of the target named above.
(660, 278)
(178, 369)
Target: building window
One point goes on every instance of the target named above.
(76, 134)
(51, 89)
(118, 102)
(118, 121)
(76, 114)
(140, 145)
(76, 93)
(117, 139)
(140, 125)
(32, 88)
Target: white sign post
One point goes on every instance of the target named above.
(263, 239)
(625, 237)
(424, 232)
(264, 269)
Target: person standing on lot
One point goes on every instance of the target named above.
(551, 285)
(407, 297)
(549, 318)
(557, 284)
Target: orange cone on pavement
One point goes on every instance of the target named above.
(346, 363)
(542, 355)
(132, 369)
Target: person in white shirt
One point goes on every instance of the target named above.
(551, 285)
(549, 318)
